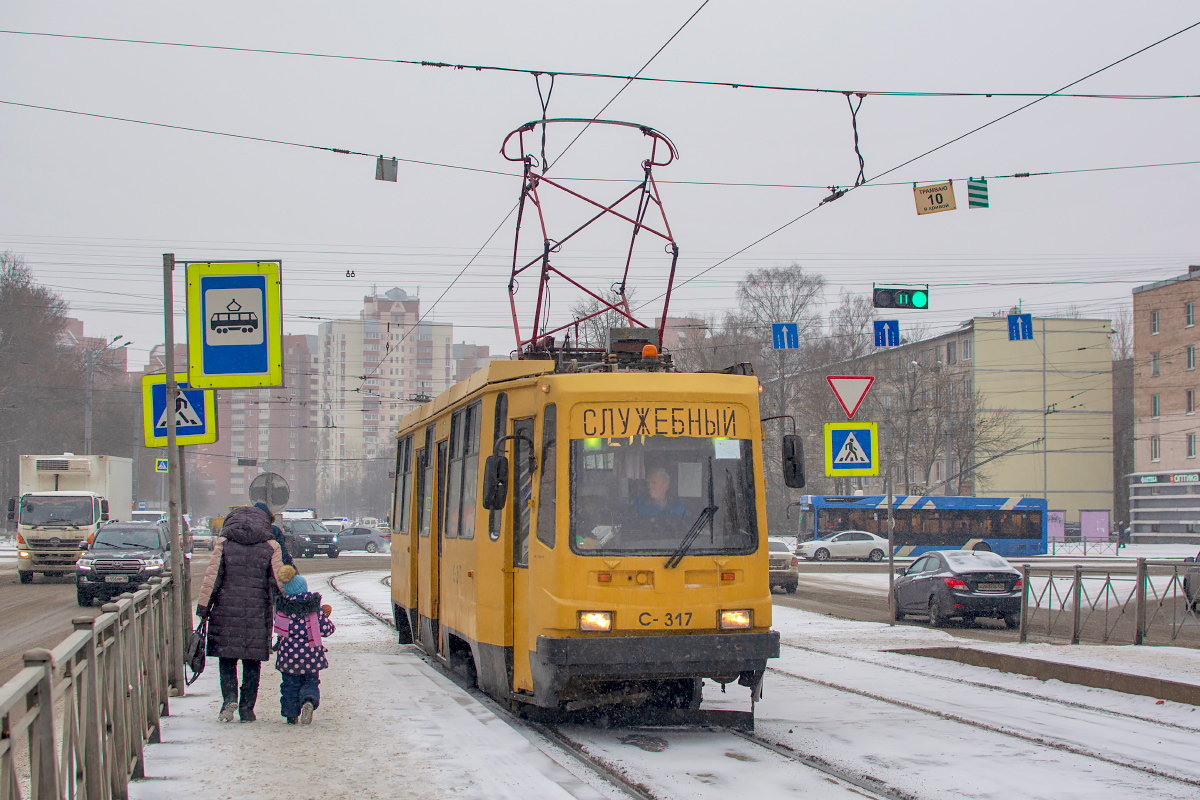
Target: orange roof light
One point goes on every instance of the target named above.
(649, 351)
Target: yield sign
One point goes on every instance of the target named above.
(850, 390)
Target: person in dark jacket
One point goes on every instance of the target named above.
(243, 571)
(275, 532)
(300, 623)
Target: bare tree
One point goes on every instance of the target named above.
(1122, 335)
(593, 331)
(851, 326)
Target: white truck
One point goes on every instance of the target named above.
(64, 500)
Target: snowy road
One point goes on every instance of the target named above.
(393, 725)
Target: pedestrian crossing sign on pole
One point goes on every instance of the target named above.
(160, 465)
(851, 449)
(977, 193)
(195, 412)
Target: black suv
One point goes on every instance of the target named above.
(306, 538)
(122, 556)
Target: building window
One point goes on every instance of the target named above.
(1191, 445)
(966, 349)
(1191, 401)
(1191, 357)
(1155, 448)
(951, 353)
(1154, 323)
(1154, 406)
(1189, 314)
(1154, 365)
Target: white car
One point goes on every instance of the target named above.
(846, 544)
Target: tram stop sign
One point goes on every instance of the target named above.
(271, 489)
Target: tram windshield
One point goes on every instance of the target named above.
(644, 495)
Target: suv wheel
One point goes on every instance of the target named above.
(26, 577)
(83, 598)
(334, 553)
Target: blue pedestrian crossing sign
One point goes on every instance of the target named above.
(234, 324)
(785, 335)
(161, 465)
(887, 333)
(851, 449)
(1020, 326)
(195, 412)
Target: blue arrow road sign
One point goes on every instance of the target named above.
(887, 333)
(785, 335)
(1020, 326)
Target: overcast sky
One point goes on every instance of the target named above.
(93, 203)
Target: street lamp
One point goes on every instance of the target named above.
(89, 361)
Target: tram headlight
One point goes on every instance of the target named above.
(736, 620)
(595, 621)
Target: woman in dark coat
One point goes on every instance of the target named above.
(244, 567)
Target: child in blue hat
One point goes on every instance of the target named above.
(300, 623)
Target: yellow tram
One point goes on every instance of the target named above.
(588, 537)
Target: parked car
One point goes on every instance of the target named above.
(846, 544)
(959, 583)
(306, 538)
(1191, 582)
(372, 540)
(783, 565)
(203, 538)
(122, 556)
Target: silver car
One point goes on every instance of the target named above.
(846, 544)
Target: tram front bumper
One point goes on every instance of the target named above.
(720, 656)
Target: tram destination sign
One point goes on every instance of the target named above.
(616, 420)
(234, 324)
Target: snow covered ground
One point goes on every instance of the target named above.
(391, 726)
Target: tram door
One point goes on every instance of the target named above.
(522, 511)
(425, 549)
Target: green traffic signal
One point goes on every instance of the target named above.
(901, 298)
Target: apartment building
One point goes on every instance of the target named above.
(374, 370)
(271, 429)
(972, 412)
(1164, 490)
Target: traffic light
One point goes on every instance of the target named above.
(902, 298)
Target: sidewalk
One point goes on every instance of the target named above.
(389, 726)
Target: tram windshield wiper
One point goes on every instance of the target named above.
(704, 519)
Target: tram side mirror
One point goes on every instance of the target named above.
(12, 508)
(104, 510)
(793, 461)
(495, 482)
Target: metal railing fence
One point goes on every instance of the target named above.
(74, 721)
(1146, 605)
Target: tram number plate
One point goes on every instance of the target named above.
(991, 587)
(668, 619)
(116, 579)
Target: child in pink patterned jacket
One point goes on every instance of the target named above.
(300, 624)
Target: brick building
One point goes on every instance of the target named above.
(1164, 490)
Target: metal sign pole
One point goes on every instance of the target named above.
(181, 631)
(891, 524)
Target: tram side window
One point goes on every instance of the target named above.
(464, 470)
(522, 490)
(403, 499)
(425, 489)
(499, 428)
(547, 505)
(452, 488)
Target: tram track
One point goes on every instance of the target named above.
(618, 778)
(1121, 715)
(1006, 731)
